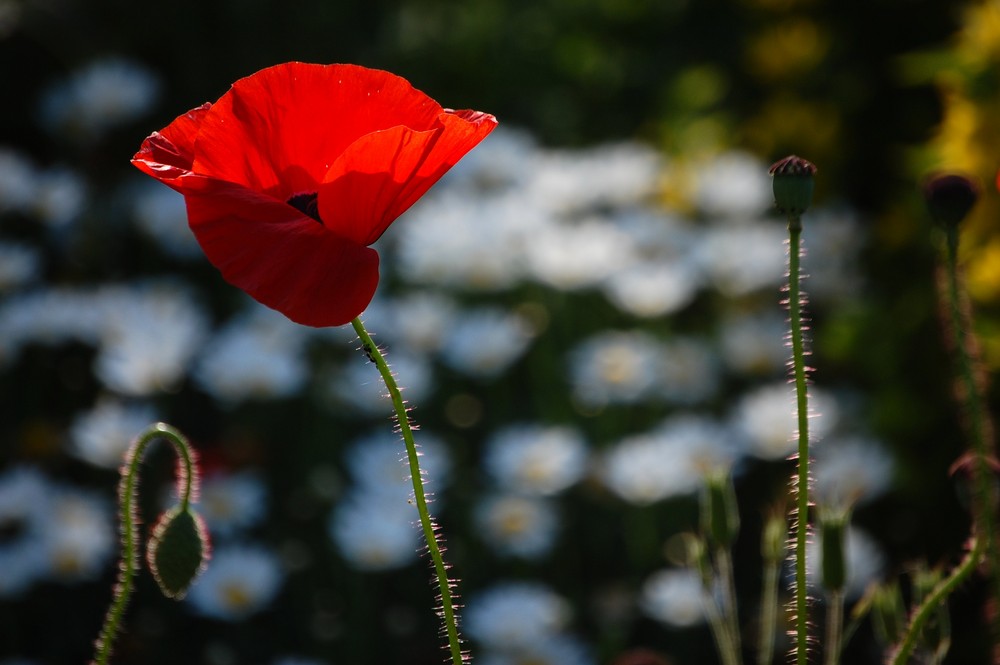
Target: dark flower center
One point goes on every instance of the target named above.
(306, 203)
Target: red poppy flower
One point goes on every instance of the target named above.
(297, 169)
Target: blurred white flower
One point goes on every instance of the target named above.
(60, 196)
(865, 561)
(231, 502)
(502, 161)
(572, 256)
(514, 615)
(849, 471)
(104, 94)
(767, 418)
(675, 597)
(709, 447)
(257, 355)
(689, 371)
(739, 260)
(358, 384)
(52, 316)
(615, 174)
(420, 321)
(80, 535)
(18, 181)
(19, 265)
(452, 240)
(536, 459)
(103, 435)
(240, 581)
(484, 342)
(615, 367)
(645, 468)
(378, 464)
(553, 650)
(733, 184)
(25, 496)
(375, 531)
(754, 343)
(151, 335)
(515, 525)
(161, 214)
(652, 289)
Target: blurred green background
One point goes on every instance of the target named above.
(876, 93)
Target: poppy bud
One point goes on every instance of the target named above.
(950, 197)
(792, 182)
(177, 551)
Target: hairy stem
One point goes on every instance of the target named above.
(802, 408)
(127, 495)
(919, 618)
(433, 546)
(980, 428)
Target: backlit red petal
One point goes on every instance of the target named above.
(360, 195)
(168, 154)
(280, 130)
(282, 258)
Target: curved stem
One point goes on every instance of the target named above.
(902, 653)
(444, 584)
(802, 408)
(127, 490)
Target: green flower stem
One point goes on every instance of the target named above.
(720, 631)
(985, 517)
(127, 495)
(919, 618)
(444, 584)
(724, 563)
(768, 612)
(802, 407)
(834, 627)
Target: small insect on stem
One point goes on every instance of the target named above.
(369, 352)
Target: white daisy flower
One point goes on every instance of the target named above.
(675, 597)
(103, 435)
(536, 459)
(240, 581)
(515, 525)
(374, 531)
(512, 615)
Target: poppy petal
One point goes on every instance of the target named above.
(282, 258)
(360, 194)
(382, 174)
(279, 131)
(169, 154)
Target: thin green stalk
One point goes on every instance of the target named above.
(919, 618)
(834, 627)
(768, 612)
(802, 407)
(978, 420)
(720, 631)
(724, 563)
(127, 490)
(444, 584)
